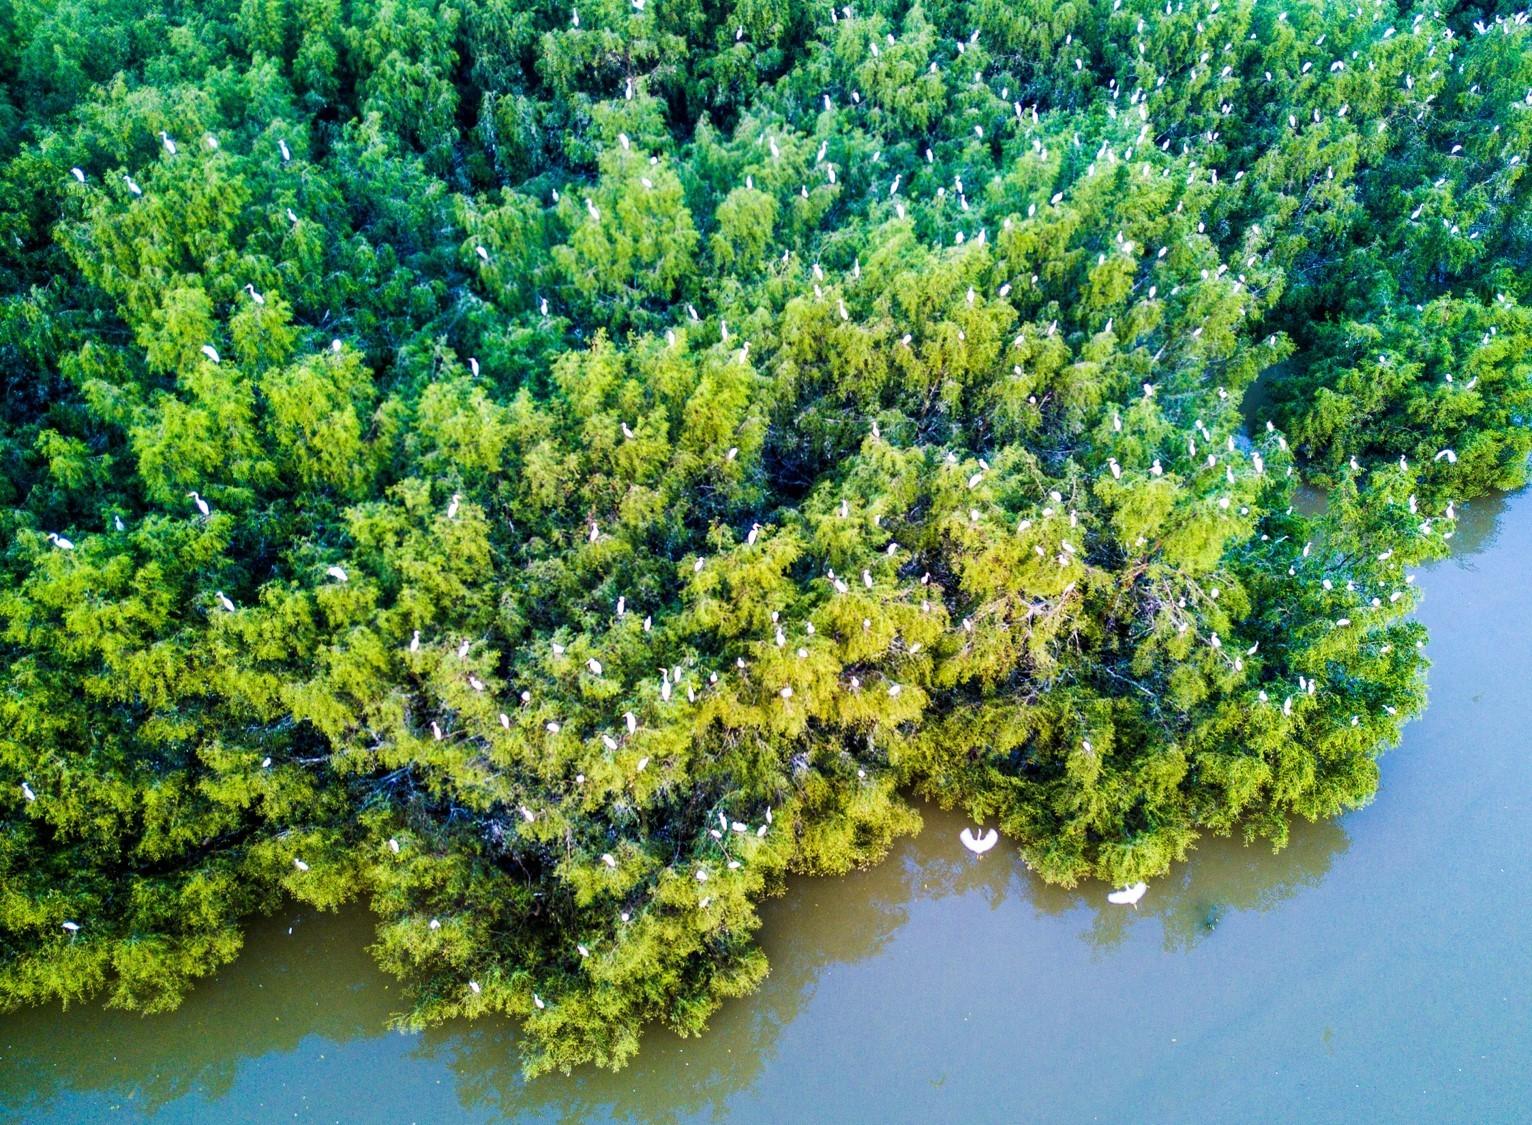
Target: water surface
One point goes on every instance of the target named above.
(1378, 968)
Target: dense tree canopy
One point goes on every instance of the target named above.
(552, 472)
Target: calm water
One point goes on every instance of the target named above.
(1378, 968)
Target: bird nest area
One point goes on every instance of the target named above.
(558, 489)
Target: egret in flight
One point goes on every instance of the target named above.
(1128, 896)
(979, 843)
(976, 843)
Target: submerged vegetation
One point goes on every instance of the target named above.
(552, 472)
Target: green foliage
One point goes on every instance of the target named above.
(642, 454)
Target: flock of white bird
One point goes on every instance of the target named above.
(977, 841)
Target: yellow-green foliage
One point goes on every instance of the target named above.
(644, 456)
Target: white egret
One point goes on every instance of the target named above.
(211, 352)
(78, 173)
(299, 864)
(286, 152)
(26, 791)
(72, 927)
(452, 506)
(132, 185)
(202, 505)
(337, 573)
(976, 843)
(393, 845)
(1128, 895)
(254, 296)
(60, 542)
(170, 145)
(223, 600)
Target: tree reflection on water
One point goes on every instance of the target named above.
(315, 991)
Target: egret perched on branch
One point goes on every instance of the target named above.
(60, 542)
(170, 145)
(202, 505)
(337, 573)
